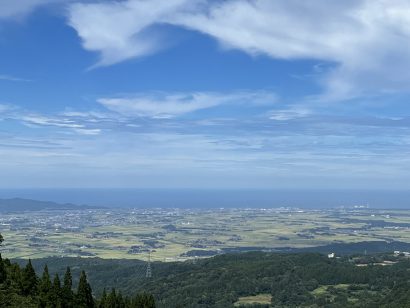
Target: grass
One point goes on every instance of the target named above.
(324, 289)
(263, 299)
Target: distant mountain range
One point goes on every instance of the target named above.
(23, 205)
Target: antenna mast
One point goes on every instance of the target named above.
(148, 273)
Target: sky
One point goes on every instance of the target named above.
(227, 94)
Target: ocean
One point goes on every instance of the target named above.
(217, 198)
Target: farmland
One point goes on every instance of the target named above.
(180, 234)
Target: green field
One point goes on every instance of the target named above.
(170, 235)
(263, 299)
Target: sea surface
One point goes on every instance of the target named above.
(217, 198)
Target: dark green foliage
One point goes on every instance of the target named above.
(56, 292)
(44, 289)
(220, 281)
(291, 289)
(143, 301)
(115, 300)
(67, 294)
(3, 272)
(289, 278)
(29, 280)
(84, 298)
(111, 299)
(20, 287)
(103, 300)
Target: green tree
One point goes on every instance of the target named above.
(56, 292)
(3, 271)
(67, 294)
(111, 299)
(44, 289)
(119, 303)
(84, 296)
(14, 276)
(143, 301)
(103, 301)
(29, 280)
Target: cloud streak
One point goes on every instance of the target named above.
(289, 114)
(168, 105)
(12, 78)
(273, 145)
(365, 41)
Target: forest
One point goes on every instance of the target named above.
(22, 287)
(252, 279)
(291, 280)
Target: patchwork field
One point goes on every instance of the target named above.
(179, 234)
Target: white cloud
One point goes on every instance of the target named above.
(367, 40)
(42, 120)
(120, 30)
(165, 105)
(58, 121)
(289, 114)
(251, 150)
(86, 131)
(85, 114)
(5, 108)
(13, 78)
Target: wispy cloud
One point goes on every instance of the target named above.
(85, 127)
(273, 146)
(121, 30)
(86, 124)
(88, 131)
(46, 121)
(6, 108)
(10, 9)
(13, 78)
(365, 41)
(289, 114)
(167, 105)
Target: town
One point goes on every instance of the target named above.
(181, 234)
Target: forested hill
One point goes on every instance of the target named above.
(270, 279)
(22, 287)
(288, 280)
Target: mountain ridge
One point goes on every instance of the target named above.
(30, 205)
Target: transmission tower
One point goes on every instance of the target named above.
(148, 273)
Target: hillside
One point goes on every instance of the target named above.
(285, 280)
(21, 286)
(292, 280)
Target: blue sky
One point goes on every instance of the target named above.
(205, 94)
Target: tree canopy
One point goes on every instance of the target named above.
(21, 287)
